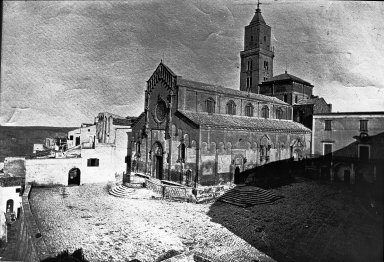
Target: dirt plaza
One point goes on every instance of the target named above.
(314, 221)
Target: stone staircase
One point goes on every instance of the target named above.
(122, 191)
(245, 196)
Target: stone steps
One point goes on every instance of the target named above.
(248, 196)
(122, 191)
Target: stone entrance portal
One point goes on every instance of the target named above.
(237, 179)
(158, 160)
(74, 176)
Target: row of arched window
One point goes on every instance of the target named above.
(249, 109)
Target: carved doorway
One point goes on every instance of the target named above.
(237, 179)
(74, 176)
(158, 160)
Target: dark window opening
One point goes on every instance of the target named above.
(231, 108)
(249, 110)
(70, 137)
(266, 65)
(363, 153)
(279, 113)
(363, 125)
(328, 125)
(182, 153)
(138, 147)
(249, 65)
(265, 112)
(210, 105)
(327, 150)
(285, 98)
(296, 99)
(188, 177)
(93, 162)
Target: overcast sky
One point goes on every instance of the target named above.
(64, 62)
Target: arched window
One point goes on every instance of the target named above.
(181, 153)
(210, 105)
(249, 110)
(265, 112)
(231, 108)
(279, 113)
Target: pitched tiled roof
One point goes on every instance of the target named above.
(241, 122)
(286, 77)
(229, 91)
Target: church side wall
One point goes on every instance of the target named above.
(222, 151)
(195, 101)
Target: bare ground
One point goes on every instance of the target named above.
(313, 222)
(117, 229)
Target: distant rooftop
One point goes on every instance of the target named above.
(286, 78)
(310, 101)
(123, 121)
(7, 181)
(380, 113)
(110, 114)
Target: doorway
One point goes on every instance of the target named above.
(363, 153)
(74, 176)
(237, 179)
(9, 206)
(159, 167)
(158, 160)
(347, 176)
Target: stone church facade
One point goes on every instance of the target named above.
(195, 133)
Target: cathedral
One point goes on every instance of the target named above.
(198, 134)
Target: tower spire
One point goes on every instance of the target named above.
(257, 51)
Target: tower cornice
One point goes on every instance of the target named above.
(256, 51)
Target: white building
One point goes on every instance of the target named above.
(10, 201)
(83, 136)
(95, 154)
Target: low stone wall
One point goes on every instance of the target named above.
(197, 195)
(209, 193)
(30, 246)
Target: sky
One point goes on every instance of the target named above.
(63, 62)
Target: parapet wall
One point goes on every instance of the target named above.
(30, 246)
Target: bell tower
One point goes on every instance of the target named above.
(257, 57)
